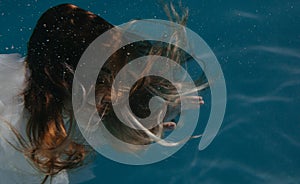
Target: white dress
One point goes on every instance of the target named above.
(15, 168)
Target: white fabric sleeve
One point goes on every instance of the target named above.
(15, 168)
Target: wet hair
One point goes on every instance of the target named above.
(59, 39)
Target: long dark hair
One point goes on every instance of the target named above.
(59, 39)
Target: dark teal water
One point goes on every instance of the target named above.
(258, 46)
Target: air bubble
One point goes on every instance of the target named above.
(165, 35)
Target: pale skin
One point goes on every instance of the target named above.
(174, 108)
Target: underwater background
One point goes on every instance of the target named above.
(258, 46)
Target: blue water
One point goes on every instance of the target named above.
(258, 46)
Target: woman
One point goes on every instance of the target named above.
(36, 115)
